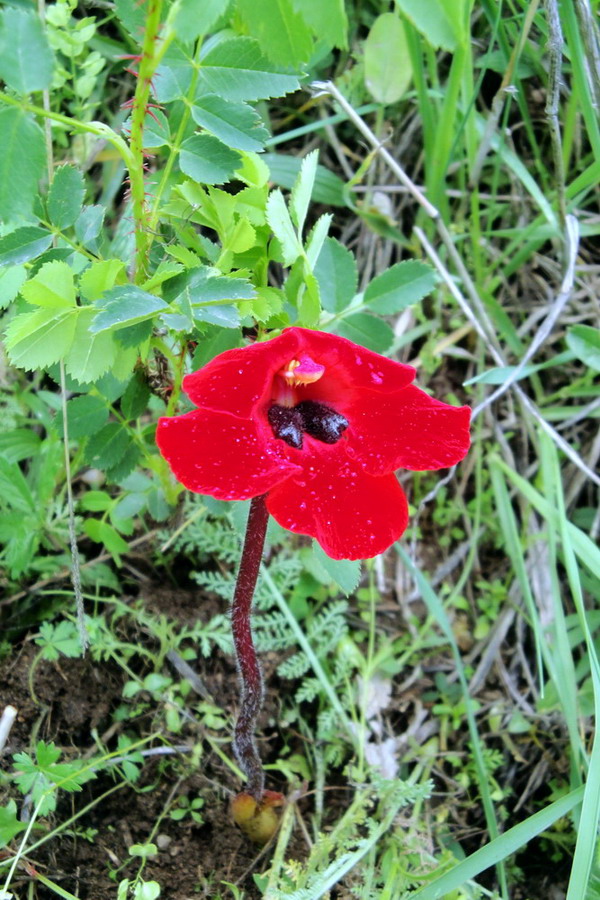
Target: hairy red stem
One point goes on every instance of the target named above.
(244, 745)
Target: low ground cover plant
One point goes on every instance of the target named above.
(230, 235)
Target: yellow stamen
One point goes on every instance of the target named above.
(302, 371)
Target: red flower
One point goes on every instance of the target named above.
(319, 425)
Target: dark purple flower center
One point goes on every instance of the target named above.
(321, 422)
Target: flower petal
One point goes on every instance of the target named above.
(221, 455)
(354, 365)
(351, 514)
(407, 429)
(236, 380)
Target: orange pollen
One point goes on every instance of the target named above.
(302, 371)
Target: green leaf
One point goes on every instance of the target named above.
(100, 277)
(14, 490)
(337, 275)
(11, 279)
(366, 330)
(10, 826)
(302, 189)
(328, 187)
(208, 160)
(237, 70)
(86, 415)
(156, 131)
(26, 60)
(65, 197)
(103, 533)
(344, 572)
(309, 307)
(280, 222)
(135, 399)
(89, 225)
(24, 243)
(584, 341)
(193, 19)
(19, 171)
(36, 340)
(108, 447)
(279, 29)
(52, 287)
(91, 355)
(327, 18)
(236, 124)
(59, 640)
(174, 76)
(316, 238)
(225, 316)
(400, 286)
(215, 341)
(434, 21)
(388, 70)
(18, 444)
(96, 501)
(125, 305)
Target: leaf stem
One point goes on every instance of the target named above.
(244, 745)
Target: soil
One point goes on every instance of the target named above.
(75, 701)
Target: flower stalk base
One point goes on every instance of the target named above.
(252, 809)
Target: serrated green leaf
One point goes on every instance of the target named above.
(100, 277)
(208, 160)
(280, 30)
(328, 187)
(53, 287)
(400, 286)
(337, 274)
(19, 171)
(91, 355)
(193, 19)
(237, 70)
(201, 286)
(26, 60)
(388, 69)
(225, 316)
(126, 464)
(343, 572)
(236, 124)
(14, 490)
(135, 399)
(36, 340)
(125, 305)
(584, 341)
(157, 131)
(65, 197)
(86, 415)
(366, 330)
(316, 238)
(281, 225)
(89, 225)
(108, 447)
(173, 77)
(11, 279)
(24, 243)
(327, 18)
(302, 189)
(433, 20)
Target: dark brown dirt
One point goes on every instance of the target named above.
(75, 700)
